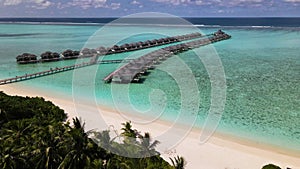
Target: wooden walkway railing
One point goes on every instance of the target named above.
(136, 67)
(101, 51)
(132, 71)
(56, 70)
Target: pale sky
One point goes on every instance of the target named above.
(115, 8)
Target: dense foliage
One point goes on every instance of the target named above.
(271, 166)
(34, 134)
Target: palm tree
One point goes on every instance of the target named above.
(11, 158)
(50, 145)
(148, 148)
(13, 139)
(83, 150)
(128, 131)
(178, 162)
(97, 164)
(271, 166)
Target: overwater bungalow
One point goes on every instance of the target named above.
(93, 52)
(171, 39)
(125, 47)
(184, 45)
(172, 49)
(148, 57)
(132, 45)
(177, 38)
(134, 70)
(195, 35)
(26, 58)
(101, 50)
(137, 68)
(160, 41)
(154, 42)
(187, 36)
(115, 48)
(219, 32)
(168, 40)
(50, 56)
(138, 63)
(181, 37)
(125, 75)
(85, 52)
(70, 54)
(140, 44)
(128, 46)
(192, 45)
(166, 49)
(147, 43)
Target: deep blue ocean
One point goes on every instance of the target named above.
(244, 21)
(260, 63)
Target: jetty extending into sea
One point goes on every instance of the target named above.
(48, 56)
(56, 70)
(134, 69)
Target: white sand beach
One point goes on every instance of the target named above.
(220, 152)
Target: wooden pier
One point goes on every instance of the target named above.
(48, 56)
(57, 70)
(135, 69)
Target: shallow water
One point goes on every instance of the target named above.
(262, 69)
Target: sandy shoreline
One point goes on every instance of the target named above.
(219, 152)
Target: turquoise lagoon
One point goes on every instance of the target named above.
(262, 70)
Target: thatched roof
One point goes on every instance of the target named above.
(116, 47)
(26, 57)
(46, 55)
(139, 44)
(70, 53)
(133, 45)
(101, 49)
(85, 51)
(148, 42)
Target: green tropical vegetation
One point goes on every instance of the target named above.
(34, 134)
(271, 166)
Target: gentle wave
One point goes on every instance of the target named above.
(261, 26)
(19, 34)
(152, 24)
